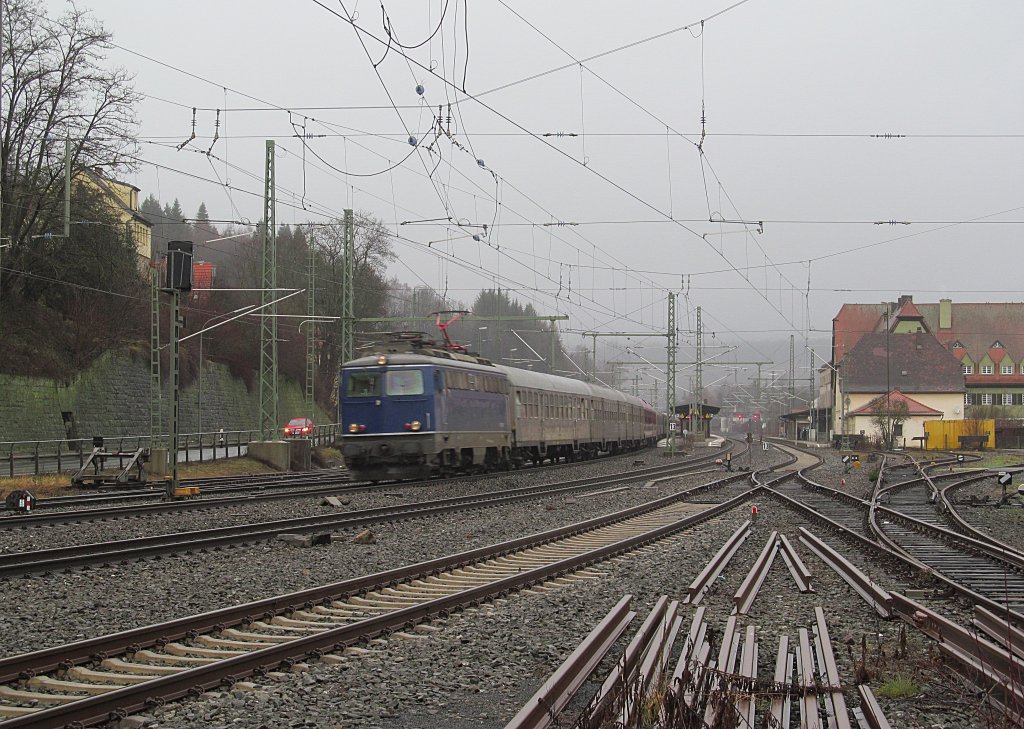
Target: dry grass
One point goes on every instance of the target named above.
(60, 484)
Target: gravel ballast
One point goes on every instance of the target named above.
(480, 666)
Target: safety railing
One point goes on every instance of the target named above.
(37, 457)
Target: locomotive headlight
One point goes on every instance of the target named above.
(353, 428)
(382, 360)
(416, 425)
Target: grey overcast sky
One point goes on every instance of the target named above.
(795, 94)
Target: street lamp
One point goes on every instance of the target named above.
(199, 397)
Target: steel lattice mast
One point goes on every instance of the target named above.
(268, 319)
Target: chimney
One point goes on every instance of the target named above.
(945, 313)
(904, 299)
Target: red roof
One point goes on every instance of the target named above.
(896, 397)
(909, 311)
(976, 326)
(851, 323)
(998, 354)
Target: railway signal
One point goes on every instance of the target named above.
(1004, 479)
(21, 501)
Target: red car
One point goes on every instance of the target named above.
(299, 427)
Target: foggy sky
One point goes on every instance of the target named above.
(791, 92)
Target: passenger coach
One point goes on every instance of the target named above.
(418, 410)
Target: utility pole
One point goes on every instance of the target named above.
(311, 314)
(698, 389)
(348, 290)
(268, 318)
(156, 415)
(671, 374)
(792, 375)
(179, 278)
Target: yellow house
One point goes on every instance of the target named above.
(124, 200)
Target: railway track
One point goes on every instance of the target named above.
(839, 507)
(219, 484)
(18, 563)
(94, 680)
(915, 522)
(294, 486)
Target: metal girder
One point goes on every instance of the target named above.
(671, 374)
(311, 334)
(348, 290)
(156, 416)
(268, 319)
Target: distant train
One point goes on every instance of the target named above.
(418, 409)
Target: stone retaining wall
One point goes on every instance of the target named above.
(111, 399)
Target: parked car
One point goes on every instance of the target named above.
(299, 428)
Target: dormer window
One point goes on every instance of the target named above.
(997, 345)
(958, 345)
(969, 369)
(986, 369)
(1006, 369)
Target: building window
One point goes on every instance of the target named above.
(1006, 369)
(968, 399)
(986, 369)
(1007, 398)
(986, 398)
(897, 430)
(969, 369)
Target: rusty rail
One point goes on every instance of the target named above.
(725, 694)
(995, 667)
(873, 594)
(870, 710)
(1002, 630)
(776, 544)
(801, 575)
(625, 677)
(700, 585)
(558, 690)
(745, 595)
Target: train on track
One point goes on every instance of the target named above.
(418, 408)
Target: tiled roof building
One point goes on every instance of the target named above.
(985, 340)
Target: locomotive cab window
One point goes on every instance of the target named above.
(404, 382)
(363, 384)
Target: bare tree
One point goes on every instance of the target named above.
(886, 416)
(55, 88)
(372, 253)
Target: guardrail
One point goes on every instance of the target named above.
(36, 457)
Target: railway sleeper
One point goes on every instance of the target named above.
(241, 646)
(81, 673)
(304, 629)
(119, 665)
(28, 697)
(151, 657)
(69, 687)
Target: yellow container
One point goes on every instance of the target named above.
(944, 435)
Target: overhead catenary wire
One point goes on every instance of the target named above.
(629, 45)
(362, 31)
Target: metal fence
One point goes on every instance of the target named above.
(35, 457)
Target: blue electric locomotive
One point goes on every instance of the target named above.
(417, 409)
(412, 414)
